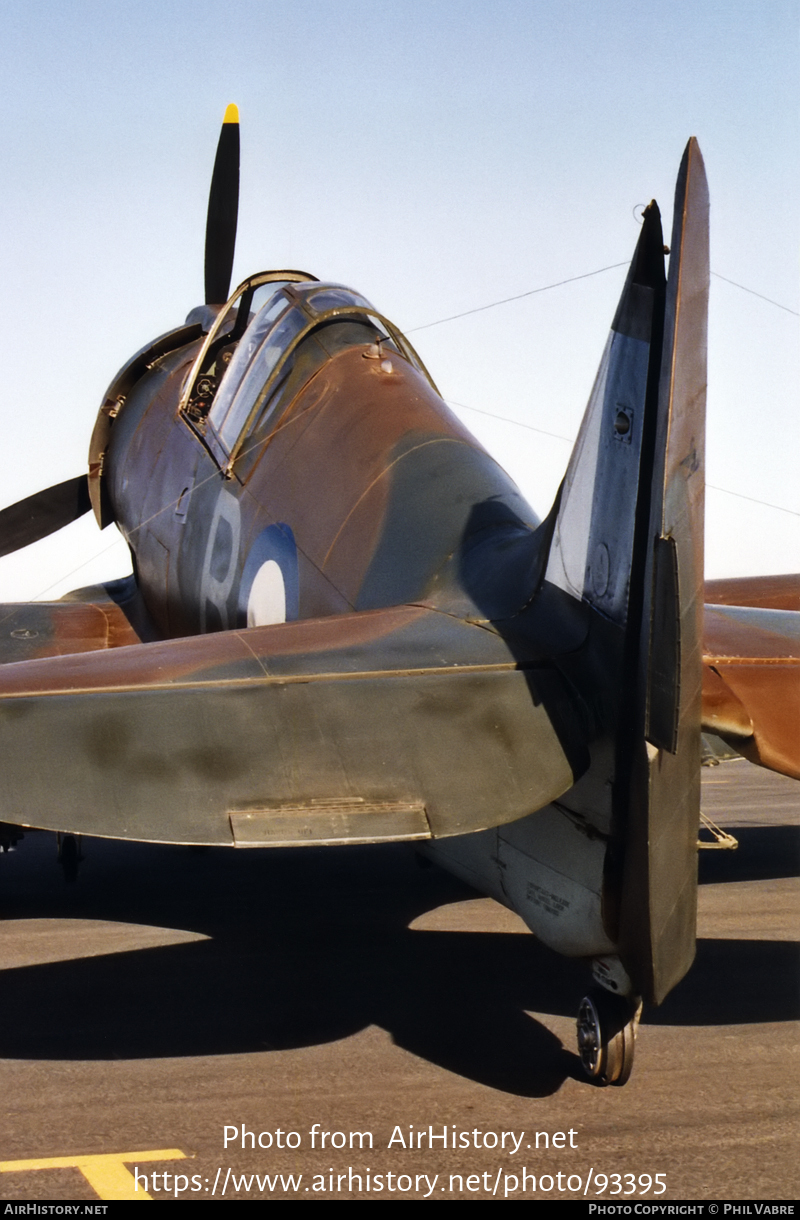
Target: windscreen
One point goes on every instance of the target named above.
(247, 352)
(264, 342)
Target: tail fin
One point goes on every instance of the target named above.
(628, 540)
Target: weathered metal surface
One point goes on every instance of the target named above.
(751, 633)
(54, 629)
(377, 641)
(113, 401)
(602, 480)
(601, 554)
(754, 655)
(330, 822)
(770, 592)
(553, 866)
(386, 513)
(659, 893)
(722, 711)
(163, 741)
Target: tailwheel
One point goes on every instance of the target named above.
(607, 1035)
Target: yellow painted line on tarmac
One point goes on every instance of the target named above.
(106, 1173)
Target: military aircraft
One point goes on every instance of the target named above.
(345, 625)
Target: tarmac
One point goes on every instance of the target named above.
(406, 1037)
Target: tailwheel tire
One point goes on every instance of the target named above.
(607, 1036)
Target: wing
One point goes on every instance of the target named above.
(751, 683)
(751, 675)
(767, 592)
(391, 724)
(88, 620)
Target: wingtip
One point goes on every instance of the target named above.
(692, 154)
(647, 266)
(231, 114)
(692, 180)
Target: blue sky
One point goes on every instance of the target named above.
(438, 156)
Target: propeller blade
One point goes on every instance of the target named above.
(43, 513)
(223, 207)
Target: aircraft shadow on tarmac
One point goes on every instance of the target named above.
(311, 946)
(765, 853)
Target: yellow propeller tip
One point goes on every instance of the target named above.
(231, 114)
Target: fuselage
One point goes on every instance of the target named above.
(347, 485)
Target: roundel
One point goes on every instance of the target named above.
(269, 591)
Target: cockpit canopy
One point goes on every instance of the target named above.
(248, 351)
